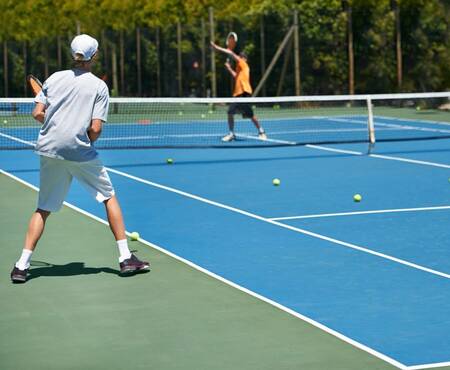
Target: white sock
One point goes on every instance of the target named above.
(123, 250)
(261, 130)
(24, 261)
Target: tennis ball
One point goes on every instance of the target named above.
(169, 160)
(180, 113)
(418, 107)
(203, 116)
(134, 236)
(5, 121)
(210, 112)
(276, 182)
(357, 197)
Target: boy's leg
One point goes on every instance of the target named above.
(231, 122)
(93, 176)
(35, 228)
(115, 218)
(230, 136)
(55, 181)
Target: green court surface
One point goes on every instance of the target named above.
(77, 313)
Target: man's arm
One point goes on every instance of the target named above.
(229, 52)
(39, 112)
(95, 130)
(231, 70)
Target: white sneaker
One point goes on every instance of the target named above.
(229, 137)
(262, 136)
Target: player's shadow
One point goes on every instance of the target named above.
(40, 269)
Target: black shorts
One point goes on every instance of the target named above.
(241, 108)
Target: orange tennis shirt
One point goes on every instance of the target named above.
(242, 81)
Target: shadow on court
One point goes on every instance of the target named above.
(42, 269)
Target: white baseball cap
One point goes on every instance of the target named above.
(85, 45)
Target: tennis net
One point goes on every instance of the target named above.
(202, 122)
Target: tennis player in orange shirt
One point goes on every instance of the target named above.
(242, 88)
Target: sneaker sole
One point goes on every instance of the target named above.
(134, 270)
(18, 280)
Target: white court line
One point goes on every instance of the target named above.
(401, 159)
(320, 147)
(265, 140)
(314, 323)
(292, 228)
(429, 366)
(13, 138)
(433, 164)
(360, 213)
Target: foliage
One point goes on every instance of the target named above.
(27, 25)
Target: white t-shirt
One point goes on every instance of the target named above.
(73, 98)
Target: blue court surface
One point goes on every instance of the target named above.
(376, 273)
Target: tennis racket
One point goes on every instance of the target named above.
(231, 42)
(35, 84)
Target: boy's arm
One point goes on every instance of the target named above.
(95, 129)
(229, 52)
(231, 70)
(39, 112)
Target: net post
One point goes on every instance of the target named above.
(370, 124)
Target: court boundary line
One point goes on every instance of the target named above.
(429, 366)
(380, 156)
(395, 210)
(230, 283)
(282, 225)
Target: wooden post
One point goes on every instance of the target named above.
(213, 59)
(351, 59)
(5, 69)
(158, 62)
(59, 51)
(122, 62)
(398, 43)
(274, 60)
(138, 60)
(287, 56)
(263, 51)
(46, 72)
(179, 61)
(296, 54)
(115, 82)
(25, 67)
(203, 48)
(105, 54)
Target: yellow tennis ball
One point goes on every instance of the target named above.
(5, 121)
(203, 116)
(357, 197)
(134, 236)
(276, 182)
(169, 160)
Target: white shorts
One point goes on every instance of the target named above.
(57, 174)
